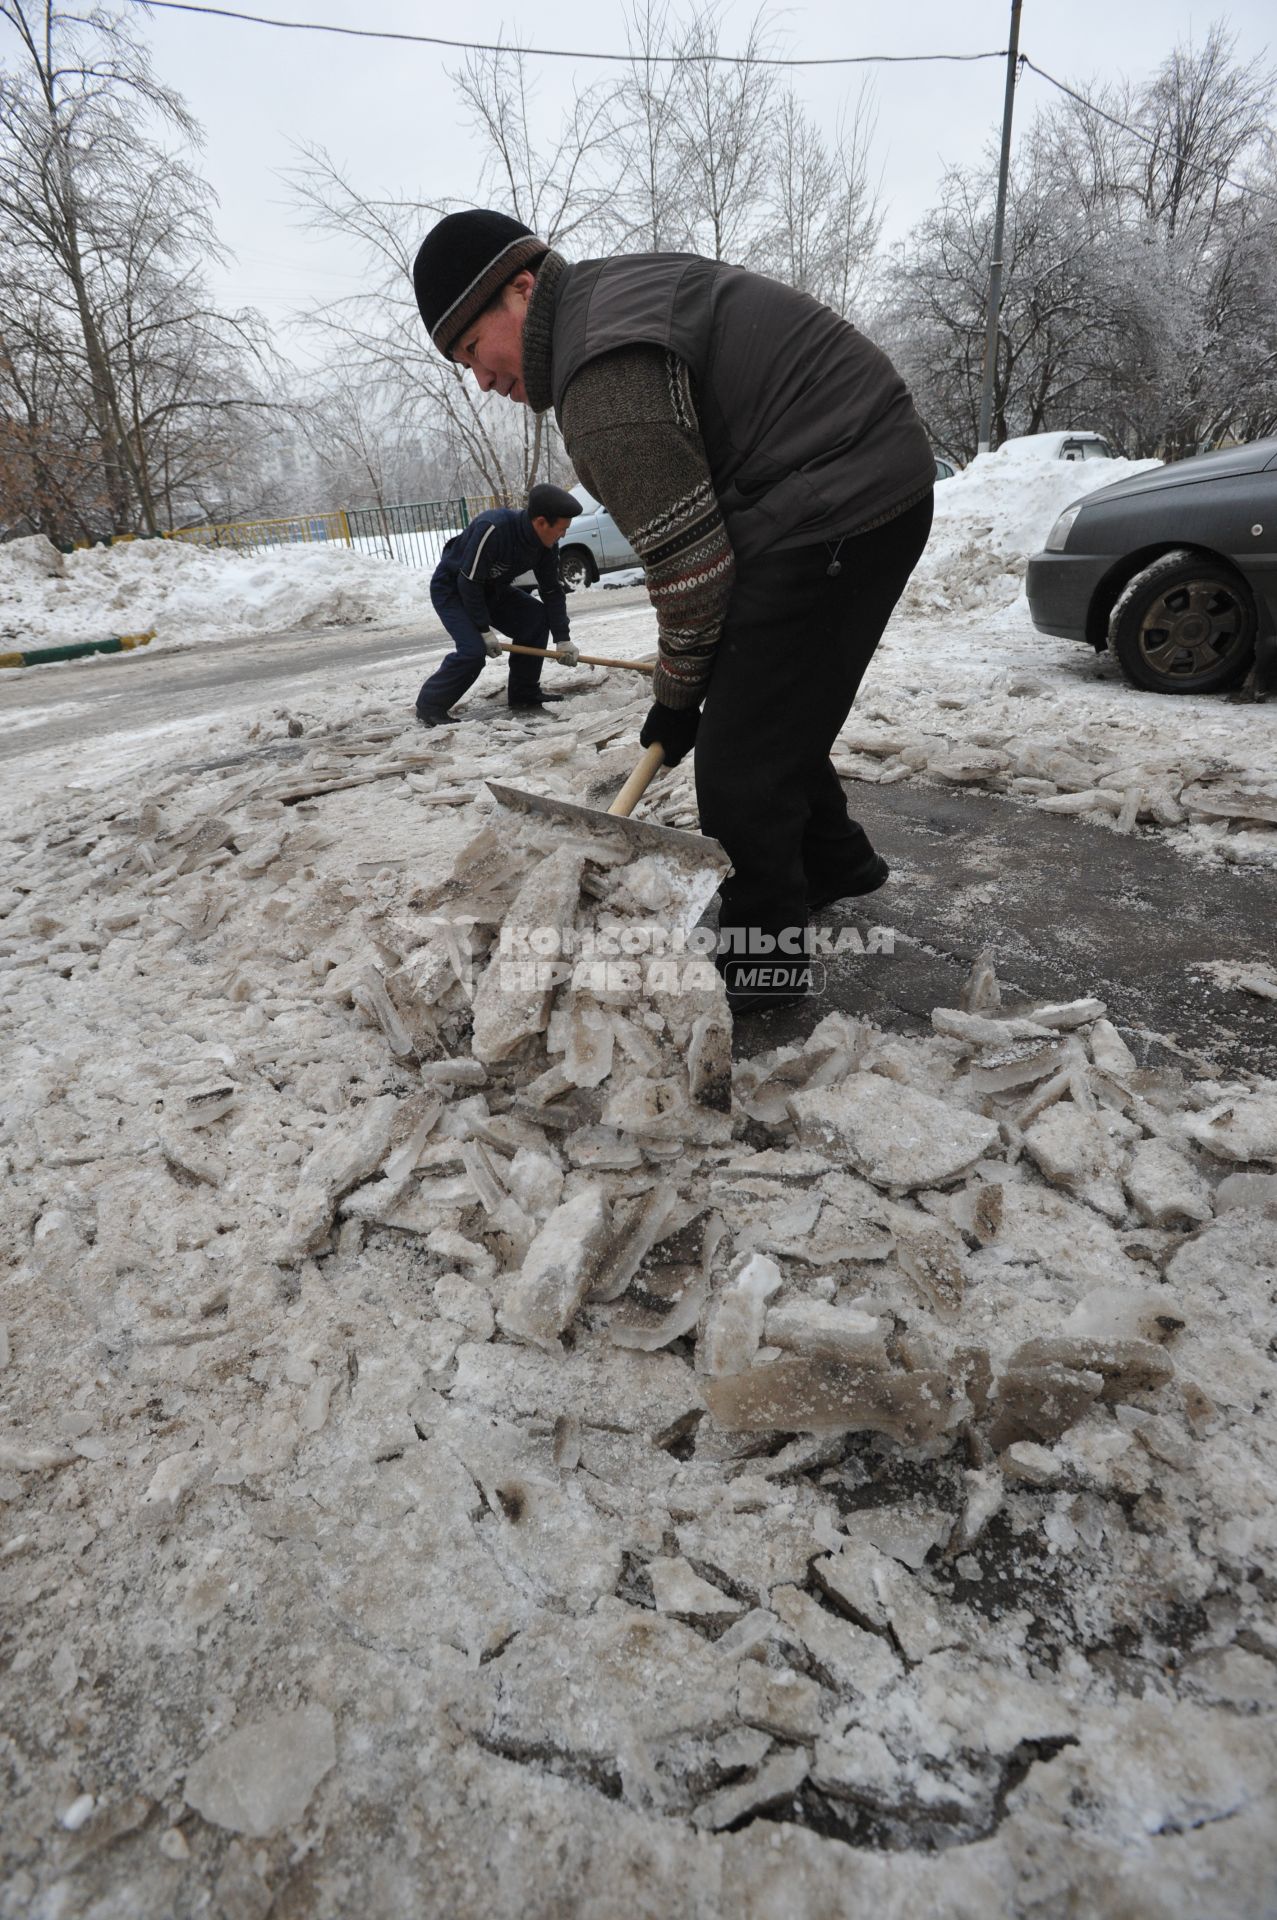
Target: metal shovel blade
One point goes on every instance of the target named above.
(697, 863)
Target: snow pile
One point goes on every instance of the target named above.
(443, 1407)
(993, 516)
(190, 594)
(989, 519)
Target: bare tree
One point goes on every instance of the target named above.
(825, 211)
(649, 211)
(105, 236)
(724, 123)
(562, 190)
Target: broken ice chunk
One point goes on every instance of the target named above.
(781, 1701)
(1109, 1051)
(1017, 1064)
(855, 1659)
(881, 1593)
(454, 1073)
(512, 1000)
(734, 1325)
(1257, 1191)
(1240, 1129)
(981, 1030)
(1079, 1152)
(709, 1062)
(775, 1783)
(897, 1136)
(669, 1306)
(535, 1180)
(1164, 1187)
(482, 1176)
(981, 992)
(208, 1103)
(567, 1442)
(1039, 1403)
(344, 1156)
(589, 1038)
(558, 1270)
(907, 1535)
(814, 1326)
(172, 1480)
(261, 1777)
(1068, 1014)
(680, 1591)
(369, 994)
(647, 1223)
(815, 1393)
(1126, 1313)
(1032, 1465)
(931, 1261)
(1124, 1366)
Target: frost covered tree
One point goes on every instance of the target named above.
(1140, 286)
(125, 392)
(1052, 330)
(560, 187)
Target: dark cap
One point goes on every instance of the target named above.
(462, 265)
(552, 503)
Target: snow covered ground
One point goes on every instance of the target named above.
(452, 1465)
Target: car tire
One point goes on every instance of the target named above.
(577, 569)
(1185, 624)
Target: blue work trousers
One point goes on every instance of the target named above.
(517, 615)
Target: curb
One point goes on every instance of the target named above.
(39, 656)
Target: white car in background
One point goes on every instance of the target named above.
(1079, 444)
(592, 545)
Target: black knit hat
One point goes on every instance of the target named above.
(462, 265)
(552, 503)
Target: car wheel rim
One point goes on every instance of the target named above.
(1192, 629)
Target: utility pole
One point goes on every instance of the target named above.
(999, 220)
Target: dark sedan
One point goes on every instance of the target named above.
(1174, 569)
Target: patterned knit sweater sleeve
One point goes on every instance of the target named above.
(630, 428)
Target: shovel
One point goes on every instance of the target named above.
(695, 863)
(585, 659)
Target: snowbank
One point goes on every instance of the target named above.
(996, 513)
(190, 594)
(989, 519)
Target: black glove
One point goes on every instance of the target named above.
(674, 727)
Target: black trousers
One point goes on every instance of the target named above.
(516, 614)
(794, 648)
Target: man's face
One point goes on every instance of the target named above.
(492, 346)
(549, 532)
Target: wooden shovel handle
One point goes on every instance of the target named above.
(639, 781)
(586, 659)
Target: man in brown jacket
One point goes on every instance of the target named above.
(765, 462)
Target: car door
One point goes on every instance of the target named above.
(614, 549)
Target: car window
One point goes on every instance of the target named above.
(1099, 450)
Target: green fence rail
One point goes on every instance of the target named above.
(414, 534)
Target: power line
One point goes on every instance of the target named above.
(684, 59)
(570, 53)
(1189, 166)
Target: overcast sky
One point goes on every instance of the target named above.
(389, 112)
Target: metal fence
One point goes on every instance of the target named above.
(256, 536)
(414, 535)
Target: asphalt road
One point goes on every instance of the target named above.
(1069, 908)
(83, 700)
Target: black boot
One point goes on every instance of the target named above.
(434, 717)
(863, 879)
(534, 699)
